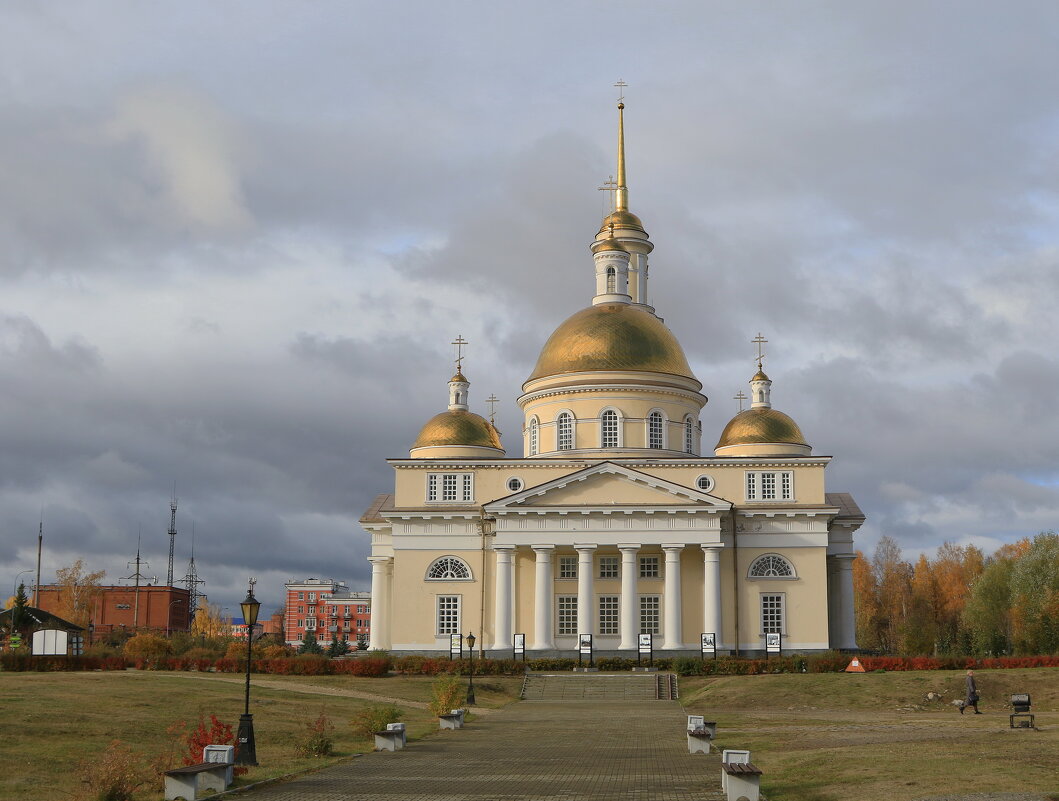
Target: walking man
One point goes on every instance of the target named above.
(972, 694)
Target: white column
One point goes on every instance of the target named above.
(379, 634)
(630, 572)
(543, 615)
(502, 614)
(674, 621)
(585, 600)
(847, 620)
(711, 591)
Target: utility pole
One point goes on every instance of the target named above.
(40, 543)
(137, 576)
(192, 582)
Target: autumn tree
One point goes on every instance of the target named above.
(919, 627)
(893, 576)
(78, 591)
(210, 622)
(866, 602)
(956, 568)
(1035, 597)
(987, 614)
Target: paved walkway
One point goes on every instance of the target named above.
(568, 750)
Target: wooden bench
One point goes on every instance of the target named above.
(742, 781)
(184, 783)
(700, 733)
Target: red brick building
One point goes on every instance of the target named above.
(328, 609)
(116, 608)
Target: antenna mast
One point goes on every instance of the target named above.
(172, 537)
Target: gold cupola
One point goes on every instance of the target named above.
(457, 432)
(612, 380)
(762, 430)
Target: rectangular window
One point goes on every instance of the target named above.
(608, 614)
(448, 614)
(567, 609)
(345, 625)
(301, 610)
(301, 623)
(301, 596)
(448, 487)
(312, 610)
(771, 613)
(770, 486)
(649, 568)
(650, 614)
(310, 623)
(568, 568)
(362, 610)
(312, 596)
(609, 566)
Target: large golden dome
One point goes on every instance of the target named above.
(612, 336)
(457, 427)
(762, 425)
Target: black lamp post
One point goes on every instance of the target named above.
(470, 673)
(247, 751)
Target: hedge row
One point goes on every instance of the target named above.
(432, 666)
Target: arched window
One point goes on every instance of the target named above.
(689, 435)
(771, 566)
(565, 426)
(655, 429)
(534, 437)
(608, 425)
(612, 280)
(449, 568)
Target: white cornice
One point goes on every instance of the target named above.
(627, 461)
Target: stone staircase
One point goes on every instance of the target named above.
(601, 686)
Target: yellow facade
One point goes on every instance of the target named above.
(614, 522)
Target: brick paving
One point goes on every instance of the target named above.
(618, 751)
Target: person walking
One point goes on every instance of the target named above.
(972, 694)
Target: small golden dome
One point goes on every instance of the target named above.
(762, 425)
(459, 377)
(457, 427)
(612, 336)
(610, 244)
(622, 219)
(760, 376)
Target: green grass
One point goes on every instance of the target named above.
(826, 737)
(52, 721)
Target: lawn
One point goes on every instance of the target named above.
(52, 721)
(826, 737)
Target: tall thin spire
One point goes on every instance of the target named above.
(621, 195)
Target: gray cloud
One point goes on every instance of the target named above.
(235, 261)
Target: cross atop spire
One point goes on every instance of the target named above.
(621, 90)
(459, 342)
(740, 396)
(621, 196)
(760, 342)
(492, 400)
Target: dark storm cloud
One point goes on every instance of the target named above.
(232, 256)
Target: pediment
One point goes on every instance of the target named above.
(607, 485)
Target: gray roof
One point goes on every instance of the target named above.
(381, 503)
(847, 507)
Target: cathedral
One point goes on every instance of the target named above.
(614, 522)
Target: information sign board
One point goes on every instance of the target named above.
(585, 644)
(520, 644)
(645, 644)
(772, 642)
(709, 644)
(455, 646)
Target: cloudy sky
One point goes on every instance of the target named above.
(236, 239)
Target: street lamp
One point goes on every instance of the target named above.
(470, 673)
(247, 753)
(169, 617)
(14, 590)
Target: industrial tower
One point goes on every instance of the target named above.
(192, 581)
(172, 538)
